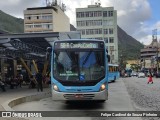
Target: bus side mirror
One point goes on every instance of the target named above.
(48, 52)
(107, 51)
(49, 49)
(109, 58)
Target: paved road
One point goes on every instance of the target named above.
(14, 93)
(119, 100)
(146, 97)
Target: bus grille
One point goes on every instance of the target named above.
(81, 96)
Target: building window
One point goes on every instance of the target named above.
(105, 31)
(37, 26)
(81, 23)
(110, 13)
(110, 30)
(28, 17)
(93, 22)
(47, 17)
(106, 40)
(93, 31)
(87, 14)
(104, 13)
(99, 13)
(29, 26)
(95, 13)
(47, 26)
(91, 14)
(111, 40)
(83, 32)
(82, 14)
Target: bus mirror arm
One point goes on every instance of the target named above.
(48, 52)
(49, 49)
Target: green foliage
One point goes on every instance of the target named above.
(128, 46)
(10, 23)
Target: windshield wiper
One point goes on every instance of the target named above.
(86, 59)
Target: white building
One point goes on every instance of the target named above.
(46, 19)
(98, 22)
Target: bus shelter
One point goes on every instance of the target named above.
(25, 53)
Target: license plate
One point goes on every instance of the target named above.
(79, 96)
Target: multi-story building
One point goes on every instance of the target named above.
(149, 54)
(96, 22)
(45, 19)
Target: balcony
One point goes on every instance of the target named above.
(148, 54)
(149, 50)
(37, 21)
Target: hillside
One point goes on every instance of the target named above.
(10, 23)
(128, 46)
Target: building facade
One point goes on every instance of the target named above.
(96, 22)
(45, 19)
(149, 54)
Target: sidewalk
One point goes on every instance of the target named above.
(16, 92)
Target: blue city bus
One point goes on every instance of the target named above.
(79, 70)
(113, 72)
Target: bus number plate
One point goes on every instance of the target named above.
(79, 96)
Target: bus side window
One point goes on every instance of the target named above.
(110, 69)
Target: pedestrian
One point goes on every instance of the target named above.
(150, 79)
(39, 79)
(2, 85)
(32, 82)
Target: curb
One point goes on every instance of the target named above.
(16, 101)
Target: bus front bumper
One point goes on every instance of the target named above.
(102, 95)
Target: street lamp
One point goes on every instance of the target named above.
(154, 37)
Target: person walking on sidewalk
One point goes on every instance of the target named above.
(2, 85)
(150, 79)
(39, 79)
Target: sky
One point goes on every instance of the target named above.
(137, 18)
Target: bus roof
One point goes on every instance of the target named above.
(79, 39)
(112, 64)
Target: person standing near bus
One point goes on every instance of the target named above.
(150, 79)
(39, 79)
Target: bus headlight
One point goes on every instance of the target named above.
(103, 87)
(55, 87)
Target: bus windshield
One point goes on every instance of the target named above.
(83, 65)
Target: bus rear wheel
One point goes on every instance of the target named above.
(101, 101)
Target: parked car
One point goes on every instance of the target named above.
(141, 75)
(158, 75)
(134, 74)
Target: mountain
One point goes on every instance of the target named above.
(127, 45)
(10, 23)
(72, 28)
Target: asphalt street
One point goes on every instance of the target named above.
(119, 100)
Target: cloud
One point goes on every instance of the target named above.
(132, 14)
(146, 40)
(16, 7)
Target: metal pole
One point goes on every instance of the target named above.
(157, 60)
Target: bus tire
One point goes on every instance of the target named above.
(101, 101)
(114, 79)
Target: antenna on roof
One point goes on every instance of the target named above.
(98, 3)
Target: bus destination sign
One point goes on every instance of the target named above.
(85, 45)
